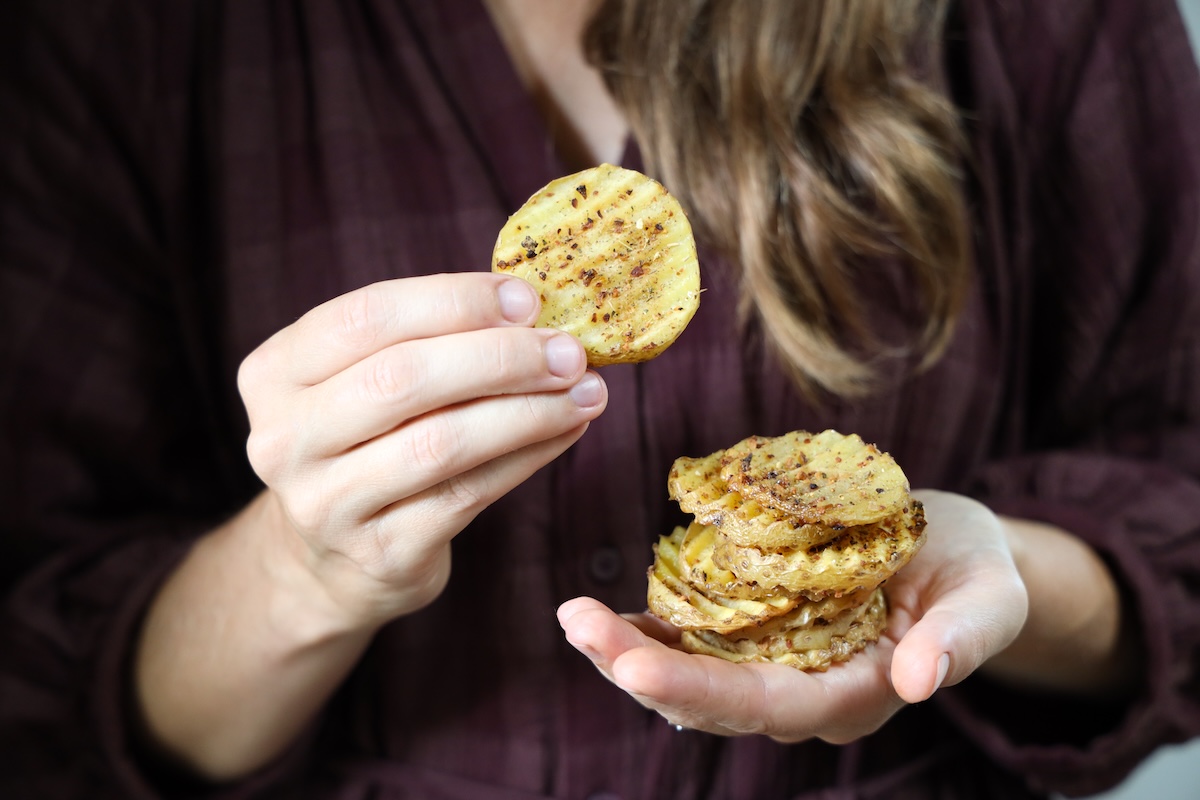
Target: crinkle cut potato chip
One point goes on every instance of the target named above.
(862, 557)
(804, 646)
(823, 478)
(687, 607)
(696, 484)
(611, 254)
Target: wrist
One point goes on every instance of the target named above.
(238, 650)
(306, 604)
(1076, 636)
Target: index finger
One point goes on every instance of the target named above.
(352, 326)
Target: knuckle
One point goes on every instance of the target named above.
(750, 696)
(513, 354)
(464, 494)
(542, 411)
(254, 369)
(309, 510)
(370, 547)
(432, 446)
(391, 378)
(247, 374)
(268, 453)
(502, 353)
(460, 301)
(358, 321)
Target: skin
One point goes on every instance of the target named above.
(586, 124)
(384, 420)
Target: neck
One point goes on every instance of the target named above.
(544, 42)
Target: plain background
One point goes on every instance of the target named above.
(1174, 772)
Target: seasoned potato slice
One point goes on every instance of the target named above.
(697, 567)
(827, 478)
(804, 645)
(861, 558)
(700, 489)
(672, 598)
(612, 256)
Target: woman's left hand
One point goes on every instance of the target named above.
(957, 603)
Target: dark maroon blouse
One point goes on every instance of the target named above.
(180, 179)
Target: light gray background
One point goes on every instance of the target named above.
(1174, 772)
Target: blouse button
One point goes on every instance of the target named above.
(604, 564)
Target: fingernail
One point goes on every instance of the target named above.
(517, 300)
(943, 668)
(588, 392)
(564, 356)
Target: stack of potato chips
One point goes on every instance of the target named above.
(792, 541)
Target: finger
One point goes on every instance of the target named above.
(848, 701)
(425, 521)
(574, 606)
(654, 627)
(965, 627)
(346, 329)
(404, 550)
(597, 632)
(648, 624)
(963, 594)
(604, 637)
(697, 692)
(579, 619)
(406, 380)
(710, 694)
(671, 682)
(443, 446)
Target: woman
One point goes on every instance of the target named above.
(258, 380)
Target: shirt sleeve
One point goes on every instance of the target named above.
(1109, 117)
(108, 444)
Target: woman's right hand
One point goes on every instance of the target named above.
(381, 422)
(384, 420)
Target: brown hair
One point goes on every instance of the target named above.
(806, 145)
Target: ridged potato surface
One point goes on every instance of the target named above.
(613, 259)
(862, 557)
(696, 565)
(701, 490)
(828, 478)
(805, 646)
(688, 607)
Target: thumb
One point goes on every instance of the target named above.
(962, 630)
